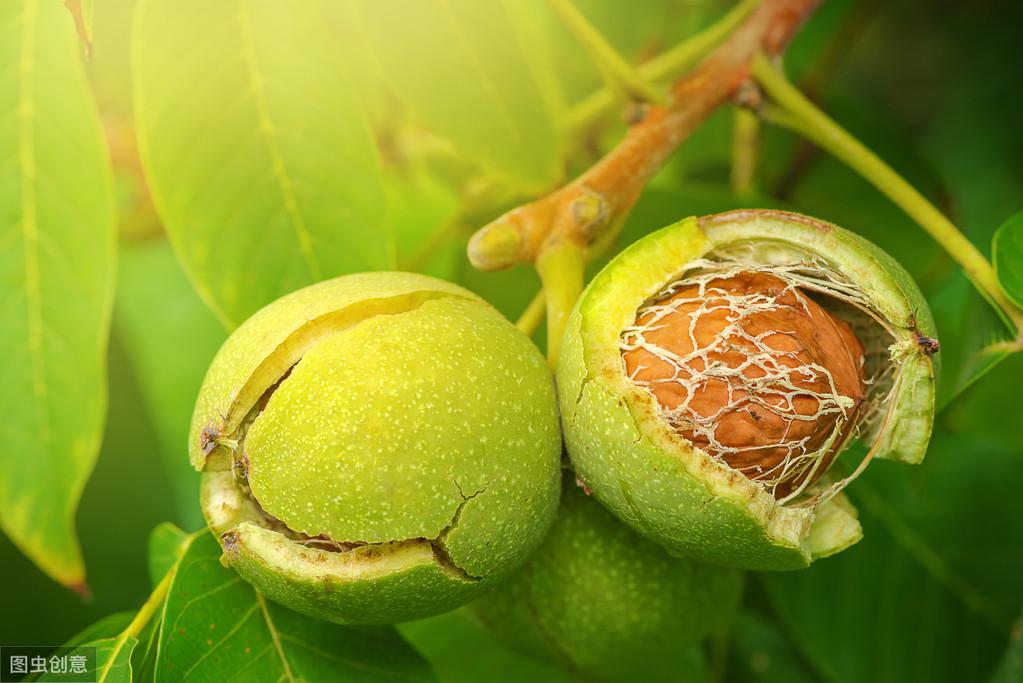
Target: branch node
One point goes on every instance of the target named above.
(590, 212)
(495, 246)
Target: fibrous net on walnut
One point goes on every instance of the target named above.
(749, 369)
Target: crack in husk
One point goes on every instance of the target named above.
(234, 443)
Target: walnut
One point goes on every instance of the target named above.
(751, 370)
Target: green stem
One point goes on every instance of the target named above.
(560, 267)
(142, 618)
(745, 149)
(621, 78)
(533, 315)
(665, 67)
(796, 112)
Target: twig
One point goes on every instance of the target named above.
(533, 315)
(745, 140)
(793, 110)
(580, 213)
(577, 213)
(665, 67)
(560, 268)
(623, 80)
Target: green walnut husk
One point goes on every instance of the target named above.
(377, 448)
(678, 495)
(599, 599)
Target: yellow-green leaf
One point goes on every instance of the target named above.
(56, 280)
(260, 161)
(465, 71)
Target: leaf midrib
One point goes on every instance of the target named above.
(29, 222)
(269, 136)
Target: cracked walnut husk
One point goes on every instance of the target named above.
(714, 373)
(377, 448)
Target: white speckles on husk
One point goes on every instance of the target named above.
(602, 600)
(427, 420)
(649, 476)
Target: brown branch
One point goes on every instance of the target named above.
(582, 210)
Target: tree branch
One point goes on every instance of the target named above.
(578, 213)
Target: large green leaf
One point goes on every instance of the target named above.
(107, 627)
(155, 303)
(166, 545)
(463, 68)
(461, 652)
(1008, 257)
(759, 652)
(260, 161)
(972, 337)
(113, 652)
(931, 591)
(217, 628)
(113, 659)
(56, 275)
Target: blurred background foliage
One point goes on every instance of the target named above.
(934, 589)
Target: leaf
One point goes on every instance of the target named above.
(462, 68)
(1011, 669)
(166, 545)
(57, 274)
(461, 652)
(652, 27)
(107, 627)
(759, 652)
(113, 659)
(260, 161)
(1007, 248)
(216, 627)
(988, 406)
(143, 657)
(82, 13)
(112, 662)
(972, 337)
(931, 590)
(155, 303)
(424, 213)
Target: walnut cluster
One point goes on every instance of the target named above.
(751, 370)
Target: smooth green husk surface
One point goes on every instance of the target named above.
(657, 482)
(401, 418)
(600, 599)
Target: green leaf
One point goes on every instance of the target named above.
(155, 303)
(166, 544)
(1007, 248)
(107, 627)
(143, 657)
(461, 652)
(932, 589)
(972, 337)
(56, 275)
(260, 161)
(424, 214)
(216, 627)
(1011, 669)
(113, 662)
(113, 659)
(464, 70)
(760, 653)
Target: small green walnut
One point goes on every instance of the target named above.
(601, 600)
(715, 370)
(377, 448)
